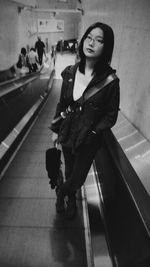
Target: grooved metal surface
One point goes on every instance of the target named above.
(31, 232)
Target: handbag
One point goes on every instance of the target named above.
(53, 166)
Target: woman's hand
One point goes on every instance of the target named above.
(54, 138)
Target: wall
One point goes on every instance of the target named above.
(8, 36)
(32, 3)
(18, 28)
(131, 23)
(71, 22)
(68, 4)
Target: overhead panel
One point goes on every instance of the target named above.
(31, 3)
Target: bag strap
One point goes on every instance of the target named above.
(99, 86)
(88, 94)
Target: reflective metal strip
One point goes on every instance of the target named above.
(16, 130)
(5, 145)
(126, 136)
(88, 244)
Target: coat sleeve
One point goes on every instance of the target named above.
(112, 108)
(62, 104)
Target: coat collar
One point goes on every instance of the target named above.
(96, 79)
(100, 77)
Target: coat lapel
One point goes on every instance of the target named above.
(95, 80)
(71, 80)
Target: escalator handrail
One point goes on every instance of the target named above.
(130, 178)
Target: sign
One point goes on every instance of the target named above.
(50, 25)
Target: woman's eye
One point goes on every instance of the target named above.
(89, 38)
(100, 41)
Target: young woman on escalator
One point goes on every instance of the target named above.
(89, 113)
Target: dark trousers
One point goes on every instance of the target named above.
(77, 166)
(40, 56)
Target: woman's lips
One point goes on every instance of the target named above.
(89, 50)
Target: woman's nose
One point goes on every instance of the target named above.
(92, 42)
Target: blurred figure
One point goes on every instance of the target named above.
(23, 61)
(53, 53)
(60, 45)
(33, 60)
(40, 49)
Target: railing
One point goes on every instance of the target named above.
(20, 100)
(125, 203)
(16, 83)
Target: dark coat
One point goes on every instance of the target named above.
(98, 113)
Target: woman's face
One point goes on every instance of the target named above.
(93, 44)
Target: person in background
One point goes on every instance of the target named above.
(40, 49)
(80, 134)
(23, 61)
(33, 60)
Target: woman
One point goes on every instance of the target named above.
(23, 61)
(80, 134)
(33, 60)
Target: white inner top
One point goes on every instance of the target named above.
(81, 82)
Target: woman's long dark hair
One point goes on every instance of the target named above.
(105, 59)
